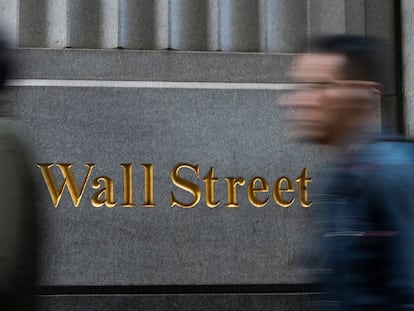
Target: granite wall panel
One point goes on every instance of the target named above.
(218, 121)
(241, 133)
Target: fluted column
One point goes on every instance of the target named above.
(336, 16)
(9, 20)
(110, 10)
(42, 23)
(240, 25)
(286, 25)
(194, 25)
(56, 23)
(144, 24)
(84, 18)
(33, 23)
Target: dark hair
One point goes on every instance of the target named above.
(361, 52)
(4, 61)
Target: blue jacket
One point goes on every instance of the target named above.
(369, 234)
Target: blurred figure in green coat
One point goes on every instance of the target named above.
(17, 211)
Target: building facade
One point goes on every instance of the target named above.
(139, 95)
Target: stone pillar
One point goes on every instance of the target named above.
(9, 20)
(407, 10)
(194, 25)
(32, 23)
(380, 22)
(56, 24)
(336, 16)
(286, 25)
(144, 24)
(110, 10)
(240, 25)
(84, 23)
(43, 23)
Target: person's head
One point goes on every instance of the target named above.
(339, 84)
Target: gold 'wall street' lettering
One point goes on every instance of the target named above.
(283, 192)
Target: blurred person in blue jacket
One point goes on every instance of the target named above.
(368, 207)
(17, 211)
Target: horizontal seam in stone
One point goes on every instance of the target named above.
(151, 84)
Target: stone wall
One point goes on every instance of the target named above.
(205, 91)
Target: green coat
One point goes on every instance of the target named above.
(17, 223)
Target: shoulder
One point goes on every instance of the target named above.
(383, 160)
(383, 171)
(387, 151)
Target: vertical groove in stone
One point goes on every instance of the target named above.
(32, 23)
(263, 25)
(379, 18)
(56, 23)
(229, 25)
(109, 23)
(379, 22)
(213, 22)
(354, 17)
(192, 25)
(407, 17)
(287, 25)
(84, 23)
(9, 20)
(240, 25)
(144, 24)
(162, 24)
(326, 17)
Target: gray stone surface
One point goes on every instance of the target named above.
(9, 20)
(379, 22)
(283, 19)
(193, 25)
(84, 23)
(240, 25)
(326, 17)
(56, 23)
(194, 302)
(144, 24)
(391, 112)
(336, 16)
(409, 112)
(238, 132)
(407, 10)
(43, 23)
(355, 17)
(151, 65)
(110, 12)
(230, 25)
(33, 23)
(161, 66)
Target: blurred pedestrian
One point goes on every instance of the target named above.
(17, 212)
(369, 206)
